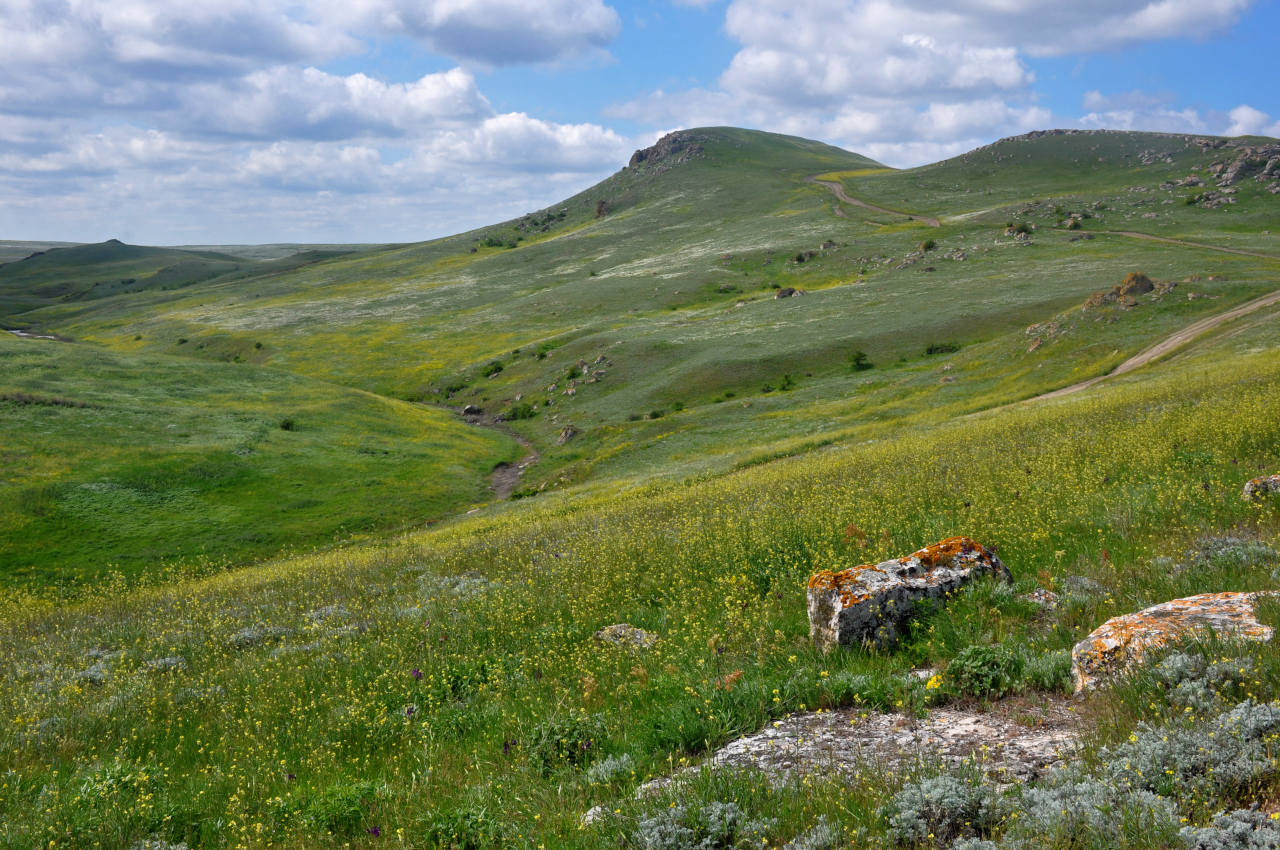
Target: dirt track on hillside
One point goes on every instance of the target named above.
(1170, 344)
(838, 190)
(1133, 234)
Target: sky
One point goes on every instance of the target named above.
(253, 121)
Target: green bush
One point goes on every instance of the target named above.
(341, 808)
(985, 671)
(493, 368)
(567, 740)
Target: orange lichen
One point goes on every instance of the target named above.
(945, 552)
(843, 582)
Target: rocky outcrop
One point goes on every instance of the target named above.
(1122, 642)
(846, 741)
(672, 149)
(868, 604)
(1259, 488)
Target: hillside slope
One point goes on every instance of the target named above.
(635, 329)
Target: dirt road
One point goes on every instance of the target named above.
(1133, 234)
(838, 190)
(1171, 343)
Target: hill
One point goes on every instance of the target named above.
(944, 362)
(634, 330)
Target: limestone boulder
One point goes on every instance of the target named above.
(1259, 488)
(1122, 642)
(869, 604)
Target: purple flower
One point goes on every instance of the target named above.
(375, 831)
(409, 710)
(417, 674)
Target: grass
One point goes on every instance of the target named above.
(441, 686)
(429, 695)
(128, 462)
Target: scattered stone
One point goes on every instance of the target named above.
(671, 150)
(789, 292)
(567, 433)
(1042, 597)
(166, 665)
(1259, 488)
(845, 741)
(94, 675)
(104, 654)
(595, 813)
(154, 843)
(327, 612)
(1124, 641)
(868, 603)
(253, 635)
(472, 410)
(625, 634)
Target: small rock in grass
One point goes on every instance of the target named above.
(1044, 598)
(94, 675)
(327, 612)
(868, 604)
(1123, 641)
(253, 635)
(625, 634)
(167, 664)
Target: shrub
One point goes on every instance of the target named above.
(341, 808)
(287, 425)
(941, 808)
(927, 245)
(608, 769)
(471, 828)
(823, 835)
(493, 368)
(715, 826)
(1050, 671)
(941, 348)
(570, 739)
(1230, 752)
(523, 410)
(1092, 814)
(859, 361)
(1243, 829)
(985, 671)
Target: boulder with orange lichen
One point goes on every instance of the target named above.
(1122, 642)
(1259, 488)
(870, 603)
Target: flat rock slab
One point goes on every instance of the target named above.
(1122, 642)
(869, 604)
(846, 741)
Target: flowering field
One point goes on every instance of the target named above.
(444, 689)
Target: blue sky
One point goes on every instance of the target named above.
(159, 122)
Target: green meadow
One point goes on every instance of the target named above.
(257, 591)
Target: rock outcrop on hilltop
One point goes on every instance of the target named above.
(671, 150)
(870, 603)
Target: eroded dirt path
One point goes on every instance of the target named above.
(506, 476)
(837, 189)
(1171, 343)
(1133, 234)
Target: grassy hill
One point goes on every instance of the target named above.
(635, 327)
(120, 462)
(700, 446)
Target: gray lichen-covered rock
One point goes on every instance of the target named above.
(1259, 488)
(870, 603)
(1123, 641)
(625, 634)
